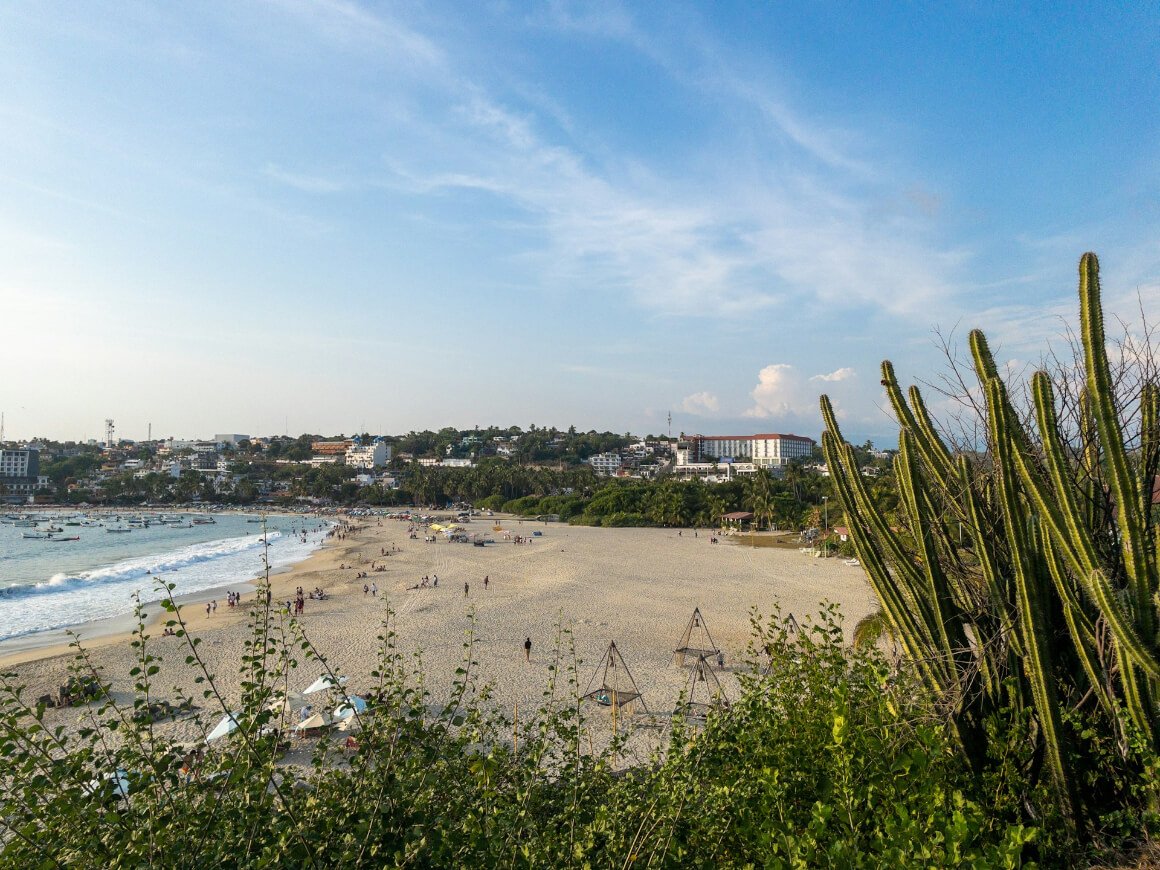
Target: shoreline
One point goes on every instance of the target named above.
(568, 590)
(112, 630)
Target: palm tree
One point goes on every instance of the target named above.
(716, 509)
(760, 497)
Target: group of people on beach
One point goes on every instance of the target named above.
(427, 582)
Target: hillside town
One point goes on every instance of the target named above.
(244, 469)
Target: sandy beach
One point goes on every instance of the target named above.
(635, 586)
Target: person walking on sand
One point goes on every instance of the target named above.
(374, 590)
(485, 581)
(466, 588)
(527, 649)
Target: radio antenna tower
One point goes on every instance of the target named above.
(670, 424)
(108, 433)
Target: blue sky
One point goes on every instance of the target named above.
(330, 216)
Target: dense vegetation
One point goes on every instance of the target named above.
(792, 500)
(829, 757)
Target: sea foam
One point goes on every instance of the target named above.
(68, 599)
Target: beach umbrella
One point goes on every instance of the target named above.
(351, 705)
(318, 720)
(326, 681)
(227, 725)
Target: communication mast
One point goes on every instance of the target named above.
(108, 433)
(670, 425)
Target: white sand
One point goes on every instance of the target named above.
(635, 586)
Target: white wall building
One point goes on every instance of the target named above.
(374, 455)
(605, 463)
(772, 450)
(20, 472)
(713, 472)
(231, 438)
(19, 463)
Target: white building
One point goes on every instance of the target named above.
(772, 450)
(20, 472)
(605, 463)
(231, 438)
(714, 472)
(374, 455)
(19, 463)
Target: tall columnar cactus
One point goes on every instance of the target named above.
(1051, 604)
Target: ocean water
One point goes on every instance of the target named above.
(48, 585)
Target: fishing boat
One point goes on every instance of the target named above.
(69, 538)
(204, 521)
(36, 536)
(116, 529)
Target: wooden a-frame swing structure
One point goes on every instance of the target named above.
(702, 684)
(617, 689)
(695, 642)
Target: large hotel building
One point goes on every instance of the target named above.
(764, 451)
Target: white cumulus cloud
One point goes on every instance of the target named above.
(841, 374)
(780, 391)
(702, 404)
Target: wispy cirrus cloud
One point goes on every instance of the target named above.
(803, 214)
(303, 182)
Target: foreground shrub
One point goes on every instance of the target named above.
(828, 757)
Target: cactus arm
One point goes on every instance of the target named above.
(981, 353)
(933, 451)
(936, 454)
(903, 566)
(1079, 626)
(1149, 466)
(1094, 581)
(1032, 611)
(1090, 462)
(947, 620)
(1102, 392)
(1078, 542)
(897, 609)
(984, 550)
(1133, 693)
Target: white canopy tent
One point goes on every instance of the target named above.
(318, 720)
(326, 681)
(228, 725)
